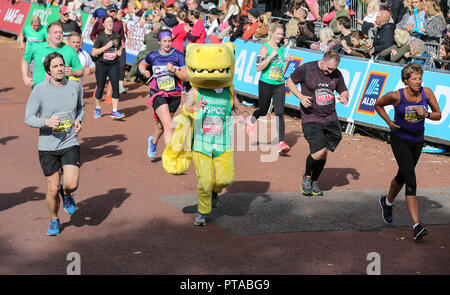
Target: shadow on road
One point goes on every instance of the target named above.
(5, 139)
(332, 177)
(95, 210)
(27, 194)
(93, 148)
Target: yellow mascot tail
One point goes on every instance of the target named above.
(177, 155)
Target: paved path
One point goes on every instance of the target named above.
(133, 218)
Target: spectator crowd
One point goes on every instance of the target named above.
(408, 31)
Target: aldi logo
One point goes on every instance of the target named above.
(290, 68)
(372, 92)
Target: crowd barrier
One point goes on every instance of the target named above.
(366, 80)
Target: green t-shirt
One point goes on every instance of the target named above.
(39, 51)
(213, 125)
(34, 36)
(273, 73)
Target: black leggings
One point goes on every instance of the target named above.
(123, 63)
(102, 71)
(407, 155)
(265, 92)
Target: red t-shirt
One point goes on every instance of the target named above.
(179, 36)
(199, 31)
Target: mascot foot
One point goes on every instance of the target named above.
(200, 219)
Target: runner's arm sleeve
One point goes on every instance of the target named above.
(340, 85)
(80, 105)
(298, 76)
(32, 109)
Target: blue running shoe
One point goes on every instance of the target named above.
(97, 113)
(68, 202)
(117, 115)
(151, 151)
(55, 228)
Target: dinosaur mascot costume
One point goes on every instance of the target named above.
(204, 129)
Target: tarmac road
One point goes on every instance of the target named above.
(134, 218)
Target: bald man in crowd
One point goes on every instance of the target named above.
(384, 37)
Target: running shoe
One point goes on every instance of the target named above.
(151, 150)
(200, 219)
(97, 113)
(122, 89)
(68, 202)
(316, 190)
(117, 115)
(419, 232)
(54, 228)
(251, 127)
(283, 148)
(386, 210)
(306, 186)
(215, 199)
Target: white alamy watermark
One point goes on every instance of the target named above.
(232, 135)
(74, 267)
(374, 267)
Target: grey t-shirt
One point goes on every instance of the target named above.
(47, 100)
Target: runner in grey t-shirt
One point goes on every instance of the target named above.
(56, 107)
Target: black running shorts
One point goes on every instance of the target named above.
(322, 135)
(52, 161)
(172, 101)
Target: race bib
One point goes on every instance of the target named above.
(276, 73)
(411, 115)
(166, 83)
(212, 126)
(324, 97)
(110, 55)
(65, 123)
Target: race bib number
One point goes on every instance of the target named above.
(65, 123)
(411, 115)
(110, 55)
(276, 73)
(324, 97)
(212, 126)
(166, 83)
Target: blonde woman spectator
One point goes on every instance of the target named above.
(373, 6)
(327, 40)
(435, 21)
(411, 22)
(233, 8)
(396, 52)
(263, 29)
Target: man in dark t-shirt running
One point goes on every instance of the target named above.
(319, 80)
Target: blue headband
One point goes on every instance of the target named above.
(164, 34)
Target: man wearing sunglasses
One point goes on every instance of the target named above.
(68, 25)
